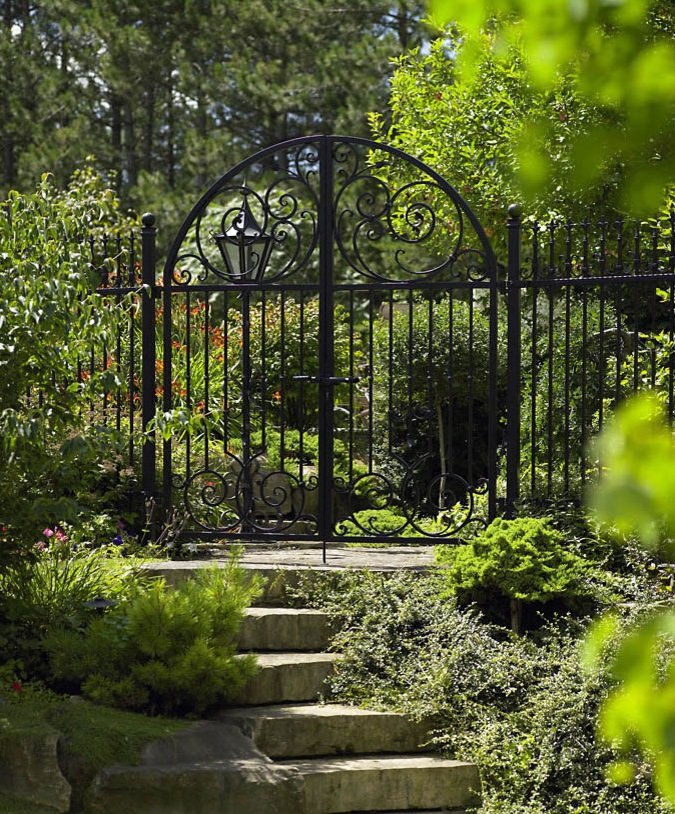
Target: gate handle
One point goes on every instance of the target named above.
(328, 379)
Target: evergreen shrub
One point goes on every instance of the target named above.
(163, 651)
(520, 560)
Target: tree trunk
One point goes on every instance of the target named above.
(517, 615)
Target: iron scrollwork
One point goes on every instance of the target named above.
(286, 210)
(245, 496)
(390, 228)
(340, 216)
(377, 505)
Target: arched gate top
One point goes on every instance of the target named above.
(387, 216)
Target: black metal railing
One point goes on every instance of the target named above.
(502, 383)
(590, 309)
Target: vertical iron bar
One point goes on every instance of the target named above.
(118, 343)
(567, 368)
(430, 382)
(617, 335)
(533, 361)
(390, 380)
(247, 486)
(132, 355)
(513, 362)
(282, 376)
(188, 380)
(326, 362)
(551, 358)
(450, 463)
(351, 373)
(584, 352)
(470, 394)
(601, 325)
(226, 371)
(207, 375)
(671, 312)
(263, 371)
(636, 303)
(654, 268)
(373, 373)
(301, 392)
(148, 473)
(167, 399)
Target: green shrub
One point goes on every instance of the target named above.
(520, 706)
(50, 323)
(162, 650)
(523, 560)
(49, 589)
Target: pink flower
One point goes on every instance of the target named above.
(48, 533)
(60, 536)
(40, 546)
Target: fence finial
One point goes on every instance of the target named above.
(515, 211)
(148, 220)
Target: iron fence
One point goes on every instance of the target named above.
(590, 309)
(583, 316)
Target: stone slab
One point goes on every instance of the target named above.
(30, 770)
(291, 676)
(284, 629)
(295, 730)
(282, 566)
(212, 767)
(347, 784)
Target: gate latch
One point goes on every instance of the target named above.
(328, 379)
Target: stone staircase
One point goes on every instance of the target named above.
(281, 751)
(349, 759)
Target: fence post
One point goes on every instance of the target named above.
(148, 318)
(513, 361)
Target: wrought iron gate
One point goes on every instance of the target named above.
(330, 340)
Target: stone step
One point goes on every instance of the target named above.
(284, 677)
(284, 629)
(406, 782)
(211, 767)
(308, 730)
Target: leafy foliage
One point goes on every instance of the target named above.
(523, 559)
(621, 59)
(47, 587)
(163, 93)
(635, 496)
(169, 651)
(521, 707)
(468, 126)
(49, 322)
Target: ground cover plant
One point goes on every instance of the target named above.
(522, 707)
